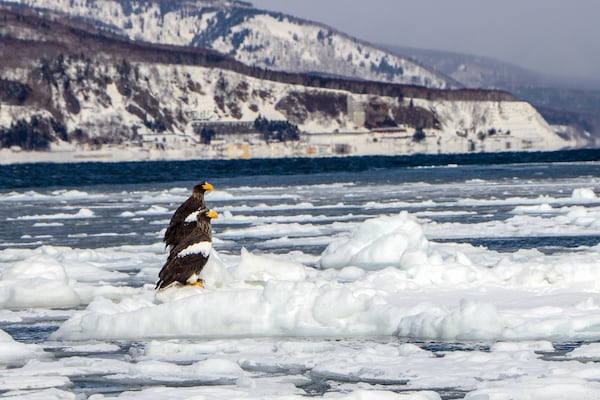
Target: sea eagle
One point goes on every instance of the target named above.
(183, 220)
(189, 257)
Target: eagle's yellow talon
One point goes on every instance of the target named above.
(199, 283)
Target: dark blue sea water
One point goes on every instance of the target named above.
(294, 170)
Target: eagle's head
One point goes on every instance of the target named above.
(200, 188)
(205, 214)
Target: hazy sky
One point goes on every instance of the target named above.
(560, 37)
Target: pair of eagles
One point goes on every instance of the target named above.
(189, 238)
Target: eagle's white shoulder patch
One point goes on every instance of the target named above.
(191, 217)
(196, 248)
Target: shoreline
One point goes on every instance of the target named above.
(49, 157)
(310, 146)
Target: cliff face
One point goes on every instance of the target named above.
(66, 85)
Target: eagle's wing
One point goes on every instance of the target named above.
(186, 261)
(181, 225)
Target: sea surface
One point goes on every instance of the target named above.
(42, 175)
(118, 186)
(103, 223)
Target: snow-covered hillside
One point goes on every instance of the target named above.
(162, 96)
(255, 37)
(474, 71)
(71, 89)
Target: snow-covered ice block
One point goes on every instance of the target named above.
(13, 352)
(261, 268)
(38, 281)
(377, 243)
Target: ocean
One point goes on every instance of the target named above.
(421, 277)
(94, 173)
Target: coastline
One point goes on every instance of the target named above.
(241, 147)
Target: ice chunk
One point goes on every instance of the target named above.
(206, 371)
(215, 273)
(81, 214)
(584, 195)
(260, 268)
(468, 321)
(15, 353)
(538, 388)
(38, 281)
(590, 350)
(45, 394)
(378, 243)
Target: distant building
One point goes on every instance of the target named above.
(356, 111)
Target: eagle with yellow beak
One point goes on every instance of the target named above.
(183, 220)
(189, 257)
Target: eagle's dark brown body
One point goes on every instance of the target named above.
(180, 225)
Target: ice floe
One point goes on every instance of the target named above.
(393, 281)
(305, 294)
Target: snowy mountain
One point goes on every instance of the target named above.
(561, 100)
(485, 72)
(68, 87)
(255, 37)
(473, 71)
